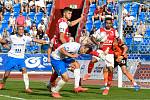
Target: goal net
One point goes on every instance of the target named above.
(133, 24)
(134, 29)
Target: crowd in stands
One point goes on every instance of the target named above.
(32, 14)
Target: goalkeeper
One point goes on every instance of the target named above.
(120, 54)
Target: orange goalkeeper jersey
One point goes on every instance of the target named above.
(117, 47)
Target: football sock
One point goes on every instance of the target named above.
(60, 84)
(90, 67)
(26, 80)
(77, 77)
(134, 83)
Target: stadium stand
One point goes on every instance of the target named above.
(35, 17)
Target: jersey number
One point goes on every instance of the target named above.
(123, 61)
(17, 50)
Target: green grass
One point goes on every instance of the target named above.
(16, 89)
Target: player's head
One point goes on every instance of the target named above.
(108, 22)
(85, 49)
(21, 30)
(67, 13)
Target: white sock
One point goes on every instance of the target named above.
(60, 84)
(134, 83)
(105, 84)
(77, 77)
(107, 88)
(26, 80)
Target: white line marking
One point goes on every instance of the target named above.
(7, 96)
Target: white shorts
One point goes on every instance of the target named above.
(101, 56)
(109, 60)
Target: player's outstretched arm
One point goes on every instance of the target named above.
(72, 23)
(40, 41)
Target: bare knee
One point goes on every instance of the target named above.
(24, 70)
(6, 74)
(105, 69)
(110, 69)
(65, 77)
(124, 70)
(76, 65)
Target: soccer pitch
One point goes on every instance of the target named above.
(14, 90)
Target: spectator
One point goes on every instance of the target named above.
(40, 6)
(20, 21)
(24, 5)
(8, 6)
(85, 39)
(45, 47)
(141, 28)
(32, 7)
(33, 31)
(42, 25)
(5, 34)
(1, 10)
(40, 33)
(44, 18)
(93, 2)
(48, 2)
(142, 8)
(108, 12)
(129, 21)
(28, 22)
(125, 12)
(0, 24)
(97, 14)
(14, 31)
(16, 1)
(12, 20)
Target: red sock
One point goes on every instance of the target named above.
(90, 67)
(110, 77)
(53, 78)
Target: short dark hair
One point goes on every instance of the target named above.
(67, 9)
(108, 18)
(20, 26)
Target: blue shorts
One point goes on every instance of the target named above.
(61, 66)
(12, 63)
